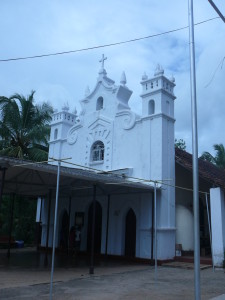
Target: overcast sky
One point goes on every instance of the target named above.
(45, 26)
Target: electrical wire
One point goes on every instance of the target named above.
(105, 45)
(158, 181)
(139, 180)
(220, 64)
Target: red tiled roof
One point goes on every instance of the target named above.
(207, 171)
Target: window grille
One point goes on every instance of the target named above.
(97, 153)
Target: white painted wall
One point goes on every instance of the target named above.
(144, 144)
(217, 204)
(184, 227)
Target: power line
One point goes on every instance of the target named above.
(105, 45)
(137, 179)
(217, 68)
(217, 10)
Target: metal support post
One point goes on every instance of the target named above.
(55, 225)
(48, 224)
(11, 224)
(155, 218)
(152, 239)
(68, 248)
(91, 270)
(107, 226)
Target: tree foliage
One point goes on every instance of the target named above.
(24, 133)
(218, 159)
(181, 144)
(24, 127)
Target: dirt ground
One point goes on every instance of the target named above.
(112, 280)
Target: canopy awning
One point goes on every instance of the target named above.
(36, 179)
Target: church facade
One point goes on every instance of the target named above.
(108, 136)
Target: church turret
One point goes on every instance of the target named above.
(158, 127)
(61, 122)
(157, 94)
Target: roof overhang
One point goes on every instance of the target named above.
(36, 179)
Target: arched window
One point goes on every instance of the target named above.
(99, 104)
(97, 151)
(151, 107)
(56, 134)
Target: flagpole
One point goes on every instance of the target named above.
(194, 153)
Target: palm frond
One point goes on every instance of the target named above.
(208, 157)
(38, 154)
(220, 155)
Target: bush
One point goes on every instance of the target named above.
(23, 218)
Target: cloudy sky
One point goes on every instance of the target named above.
(30, 28)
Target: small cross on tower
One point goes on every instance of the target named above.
(102, 61)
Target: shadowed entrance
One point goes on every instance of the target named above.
(130, 234)
(64, 231)
(98, 228)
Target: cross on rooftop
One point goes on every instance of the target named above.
(102, 60)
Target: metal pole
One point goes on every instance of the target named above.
(48, 223)
(217, 10)
(155, 211)
(107, 226)
(152, 242)
(210, 231)
(91, 270)
(55, 223)
(11, 224)
(195, 153)
(68, 248)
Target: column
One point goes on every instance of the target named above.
(217, 206)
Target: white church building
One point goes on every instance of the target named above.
(108, 136)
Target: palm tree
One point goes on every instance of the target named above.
(218, 159)
(24, 127)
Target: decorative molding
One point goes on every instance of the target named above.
(166, 229)
(101, 121)
(129, 119)
(73, 134)
(101, 130)
(162, 90)
(158, 115)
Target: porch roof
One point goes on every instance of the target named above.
(35, 179)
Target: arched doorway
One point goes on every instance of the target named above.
(130, 234)
(98, 228)
(64, 231)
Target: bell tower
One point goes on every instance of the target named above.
(157, 94)
(61, 122)
(158, 127)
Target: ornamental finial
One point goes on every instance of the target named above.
(123, 79)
